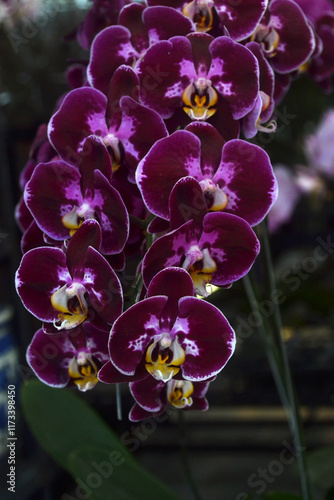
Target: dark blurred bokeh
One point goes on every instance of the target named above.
(245, 427)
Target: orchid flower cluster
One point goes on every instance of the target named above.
(142, 162)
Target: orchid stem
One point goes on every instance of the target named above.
(118, 402)
(185, 458)
(271, 349)
(139, 222)
(293, 409)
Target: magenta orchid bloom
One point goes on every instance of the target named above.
(321, 65)
(200, 78)
(127, 128)
(64, 290)
(236, 177)
(219, 251)
(138, 28)
(285, 36)
(154, 396)
(69, 358)
(238, 18)
(260, 116)
(164, 336)
(61, 197)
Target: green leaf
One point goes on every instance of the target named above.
(280, 496)
(321, 466)
(80, 441)
(101, 474)
(61, 422)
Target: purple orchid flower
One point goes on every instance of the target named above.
(200, 78)
(236, 177)
(76, 75)
(285, 36)
(282, 85)
(41, 151)
(64, 290)
(138, 28)
(321, 65)
(263, 110)
(127, 128)
(165, 335)
(315, 10)
(34, 237)
(219, 251)
(69, 359)
(238, 18)
(102, 14)
(154, 396)
(61, 197)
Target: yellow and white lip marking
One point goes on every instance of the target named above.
(215, 197)
(74, 219)
(113, 146)
(200, 271)
(83, 371)
(71, 304)
(200, 12)
(199, 99)
(164, 357)
(179, 393)
(268, 38)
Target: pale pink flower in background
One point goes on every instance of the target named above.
(319, 146)
(288, 197)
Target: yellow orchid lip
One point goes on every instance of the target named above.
(179, 393)
(199, 99)
(83, 371)
(164, 357)
(200, 12)
(71, 304)
(268, 38)
(113, 146)
(200, 271)
(214, 196)
(74, 219)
